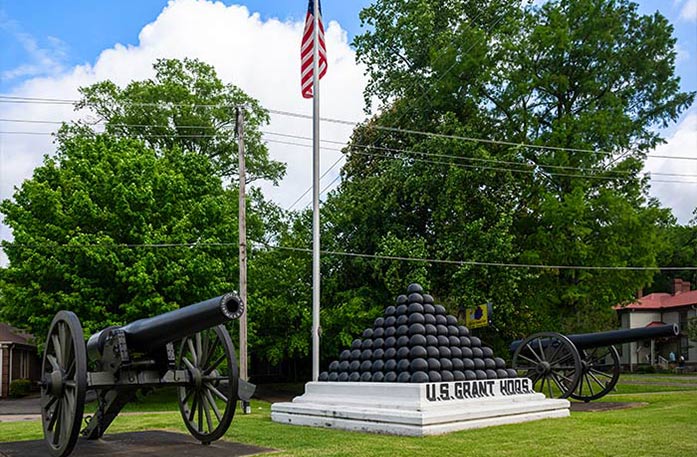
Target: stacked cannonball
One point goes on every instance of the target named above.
(416, 341)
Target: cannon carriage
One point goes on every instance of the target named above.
(584, 367)
(117, 362)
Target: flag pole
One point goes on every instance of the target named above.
(315, 197)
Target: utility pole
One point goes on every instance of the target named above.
(242, 216)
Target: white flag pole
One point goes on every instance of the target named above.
(315, 198)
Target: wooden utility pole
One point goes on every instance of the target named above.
(243, 251)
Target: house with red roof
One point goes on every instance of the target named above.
(677, 307)
(18, 358)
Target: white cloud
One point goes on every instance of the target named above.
(261, 57)
(689, 11)
(42, 60)
(681, 197)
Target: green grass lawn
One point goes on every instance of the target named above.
(667, 426)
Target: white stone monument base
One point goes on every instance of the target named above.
(418, 409)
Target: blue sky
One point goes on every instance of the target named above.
(43, 36)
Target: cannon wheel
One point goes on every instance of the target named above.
(63, 383)
(551, 361)
(601, 371)
(209, 357)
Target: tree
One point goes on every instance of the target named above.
(186, 105)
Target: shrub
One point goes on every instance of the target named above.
(19, 388)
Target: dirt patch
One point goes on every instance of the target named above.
(591, 407)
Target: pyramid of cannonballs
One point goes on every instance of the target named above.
(416, 341)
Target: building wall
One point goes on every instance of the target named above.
(4, 365)
(692, 358)
(641, 351)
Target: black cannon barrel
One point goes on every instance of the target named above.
(591, 340)
(144, 335)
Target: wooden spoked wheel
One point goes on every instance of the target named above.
(551, 362)
(600, 373)
(208, 403)
(63, 383)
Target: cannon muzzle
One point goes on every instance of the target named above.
(145, 335)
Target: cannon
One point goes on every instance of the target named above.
(118, 362)
(583, 367)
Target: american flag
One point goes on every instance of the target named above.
(307, 50)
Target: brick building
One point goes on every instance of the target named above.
(18, 358)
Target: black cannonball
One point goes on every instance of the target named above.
(403, 353)
(481, 374)
(417, 329)
(354, 366)
(469, 364)
(458, 364)
(378, 343)
(455, 351)
(431, 329)
(367, 354)
(366, 365)
(452, 320)
(434, 376)
(440, 310)
(389, 322)
(324, 376)
(444, 351)
(401, 299)
(459, 375)
(433, 364)
(454, 341)
(453, 331)
(430, 319)
(344, 366)
(467, 352)
(378, 333)
(416, 298)
(488, 352)
(431, 340)
(334, 366)
(415, 288)
(479, 364)
(367, 344)
(465, 341)
(378, 354)
(390, 353)
(390, 342)
(333, 377)
(402, 330)
(419, 377)
(402, 320)
(432, 351)
(417, 340)
(477, 352)
(415, 308)
(419, 365)
(447, 376)
(404, 376)
(379, 323)
(446, 364)
(366, 377)
(401, 310)
(390, 331)
(378, 376)
(416, 318)
(501, 373)
(356, 344)
(390, 365)
(476, 342)
(512, 373)
(354, 377)
(429, 308)
(441, 320)
(343, 377)
(402, 341)
(428, 299)
(418, 352)
(464, 331)
(368, 333)
(403, 365)
(378, 365)
(356, 354)
(390, 376)
(442, 330)
(500, 363)
(389, 311)
(490, 364)
(443, 340)
(491, 374)
(345, 355)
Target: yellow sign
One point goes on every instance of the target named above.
(477, 317)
